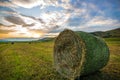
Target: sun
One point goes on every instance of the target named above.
(36, 35)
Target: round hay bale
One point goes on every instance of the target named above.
(12, 42)
(79, 53)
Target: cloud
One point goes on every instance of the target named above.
(28, 25)
(37, 30)
(56, 15)
(47, 21)
(23, 23)
(6, 11)
(33, 3)
(98, 23)
(7, 26)
(102, 21)
(2, 8)
(42, 3)
(51, 35)
(7, 3)
(15, 20)
(89, 17)
(55, 18)
(19, 19)
(26, 3)
(5, 31)
(31, 24)
(1, 24)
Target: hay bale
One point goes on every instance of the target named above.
(79, 53)
(12, 42)
(29, 42)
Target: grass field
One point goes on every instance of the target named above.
(24, 61)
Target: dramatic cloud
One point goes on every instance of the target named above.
(15, 20)
(98, 23)
(26, 3)
(6, 31)
(52, 19)
(2, 8)
(33, 3)
(51, 35)
(40, 18)
(7, 3)
(102, 21)
(23, 20)
(29, 25)
(42, 3)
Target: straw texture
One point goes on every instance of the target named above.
(79, 53)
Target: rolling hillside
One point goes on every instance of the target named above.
(107, 34)
(115, 33)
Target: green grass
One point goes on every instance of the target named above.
(24, 61)
(113, 41)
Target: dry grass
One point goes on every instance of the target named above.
(23, 61)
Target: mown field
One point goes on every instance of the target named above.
(24, 61)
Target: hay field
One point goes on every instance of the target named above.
(24, 61)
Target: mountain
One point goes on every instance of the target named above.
(106, 34)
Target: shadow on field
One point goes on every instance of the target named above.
(99, 75)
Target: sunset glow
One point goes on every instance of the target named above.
(45, 18)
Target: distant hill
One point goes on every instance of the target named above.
(18, 39)
(46, 39)
(3, 40)
(107, 34)
(104, 34)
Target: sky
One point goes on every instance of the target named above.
(47, 18)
